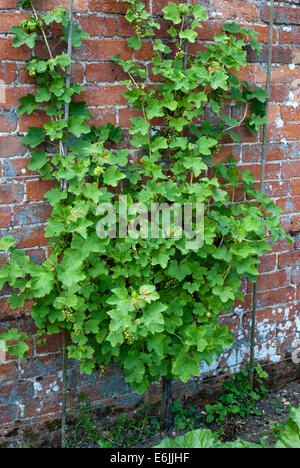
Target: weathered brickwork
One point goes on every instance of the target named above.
(30, 390)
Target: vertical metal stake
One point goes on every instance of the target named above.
(262, 178)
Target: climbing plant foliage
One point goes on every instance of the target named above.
(152, 305)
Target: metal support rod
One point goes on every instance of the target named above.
(262, 189)
(64, 186)
(167, 396)
(65, 390)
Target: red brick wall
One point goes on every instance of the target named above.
(31, 389)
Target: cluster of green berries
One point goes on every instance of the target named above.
(172, 284)
(68, 315)
(31, 25)
(128, 337)
(98, 171)
(180, 54)
(183, 8)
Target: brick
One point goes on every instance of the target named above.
(235, 10)
(36, 189)
(280, 54)
(124, 28)
(8, 122)
(7, 313)
(275, 296)
(267, 263)
(291, 36)
(107, 6)
(283, 14)
(289, 259)
(8, 371)
(79, 5)
(9, 4)
(12, 393)
(295, 223)
(145, 52)
(103, 116)
(16, 167)
(104, 73)
(98, 26)
(290, 114)
(8, 52)
(5, 217)
(289, 204)
(289, 131)
(295, 276)
(7, 20)
(37, 119)
(97, 49)
(291, 169)
(272, 170)
(32, 213)
(273, 280)
(274, 152)
(279, 74)
(295, 187)
(53, 345)
(36, 255)
(12, 96)
(8, 72)
(296, 55)
(42, 366)
(276, 189)
(43, 405)
(29, 237)
(104, 95)
(8, 413)
(11, 193)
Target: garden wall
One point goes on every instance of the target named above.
(30, 390)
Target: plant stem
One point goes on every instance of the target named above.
(43, 32)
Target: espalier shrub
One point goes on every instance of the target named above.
(152, 305)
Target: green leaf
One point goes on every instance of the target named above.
(179, 142)
(57, 15)
(260, 94)
(77, 35)
(172, 13)
(22, 38)
(112, 176)
(78, 126)
(290, 436)
(38, 160)
(19, 350)
(34, 137)
(233, 28)
(139, 125)
(43, 95)
(199, 12)
(177, 123)
(135, 43)
(27, 105)
(188, 34)
(184, 367)
(7, 243)
(196, 164)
